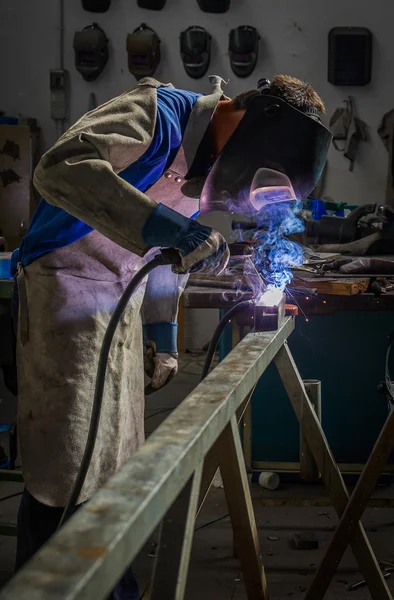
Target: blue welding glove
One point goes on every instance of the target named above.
(202, 249)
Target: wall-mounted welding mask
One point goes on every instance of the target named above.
(91, 51)
(243, 50)
(96, 5)
(214, 6)
(195, 45)
(271, 135)
(143, 49)
(152, 4)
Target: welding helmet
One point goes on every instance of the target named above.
(195, 45)
(96, 5)
(91, 51)
(243, 50)
(274, 146)
(214, 6)
(143, 49)
(151, 4)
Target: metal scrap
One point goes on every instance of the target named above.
(363, 583)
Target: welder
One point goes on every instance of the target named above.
(122, 182)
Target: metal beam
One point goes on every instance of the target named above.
(88, 556)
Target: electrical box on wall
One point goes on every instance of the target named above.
(349, 56)
(59, 94)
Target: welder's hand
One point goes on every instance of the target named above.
(160, 367)
(202, 249)
(210, 256)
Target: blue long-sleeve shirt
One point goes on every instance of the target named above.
(52, 228)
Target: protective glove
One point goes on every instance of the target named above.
(160, 367)
(202, 249)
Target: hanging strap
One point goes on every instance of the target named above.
(350, 129)
(340, 124)
(386, 133)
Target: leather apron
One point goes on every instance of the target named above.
(66, 300)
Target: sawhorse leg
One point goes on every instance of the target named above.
(354, 510)
(177, 527)
(328, 468)
(211, 463)
(175, 543)
(239, 502)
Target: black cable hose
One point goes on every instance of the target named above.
(218, 332)
(100, 382)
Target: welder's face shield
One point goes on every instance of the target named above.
(277, 153)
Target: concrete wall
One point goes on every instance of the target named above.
(294, 41)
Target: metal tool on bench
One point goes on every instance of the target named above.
(241, 250)
(360, 223)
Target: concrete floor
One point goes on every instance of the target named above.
(214, 573)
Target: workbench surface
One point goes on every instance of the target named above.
(205, 297)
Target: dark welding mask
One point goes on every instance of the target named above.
(214, 6)
(195, 51)
(151, 4)
(143, 49)
(96, 5)
(91, 51)
(277, 153)
(243, 50)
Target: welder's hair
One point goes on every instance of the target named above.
(295, 92)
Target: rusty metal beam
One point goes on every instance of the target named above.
(87, 557)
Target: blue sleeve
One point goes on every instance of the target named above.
(164, 335)
(173, 112)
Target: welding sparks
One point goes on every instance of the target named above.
(271, 297)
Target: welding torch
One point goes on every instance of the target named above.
(245, 225)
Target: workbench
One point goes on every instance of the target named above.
(340, 340)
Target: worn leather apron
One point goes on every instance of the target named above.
(66, 300)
